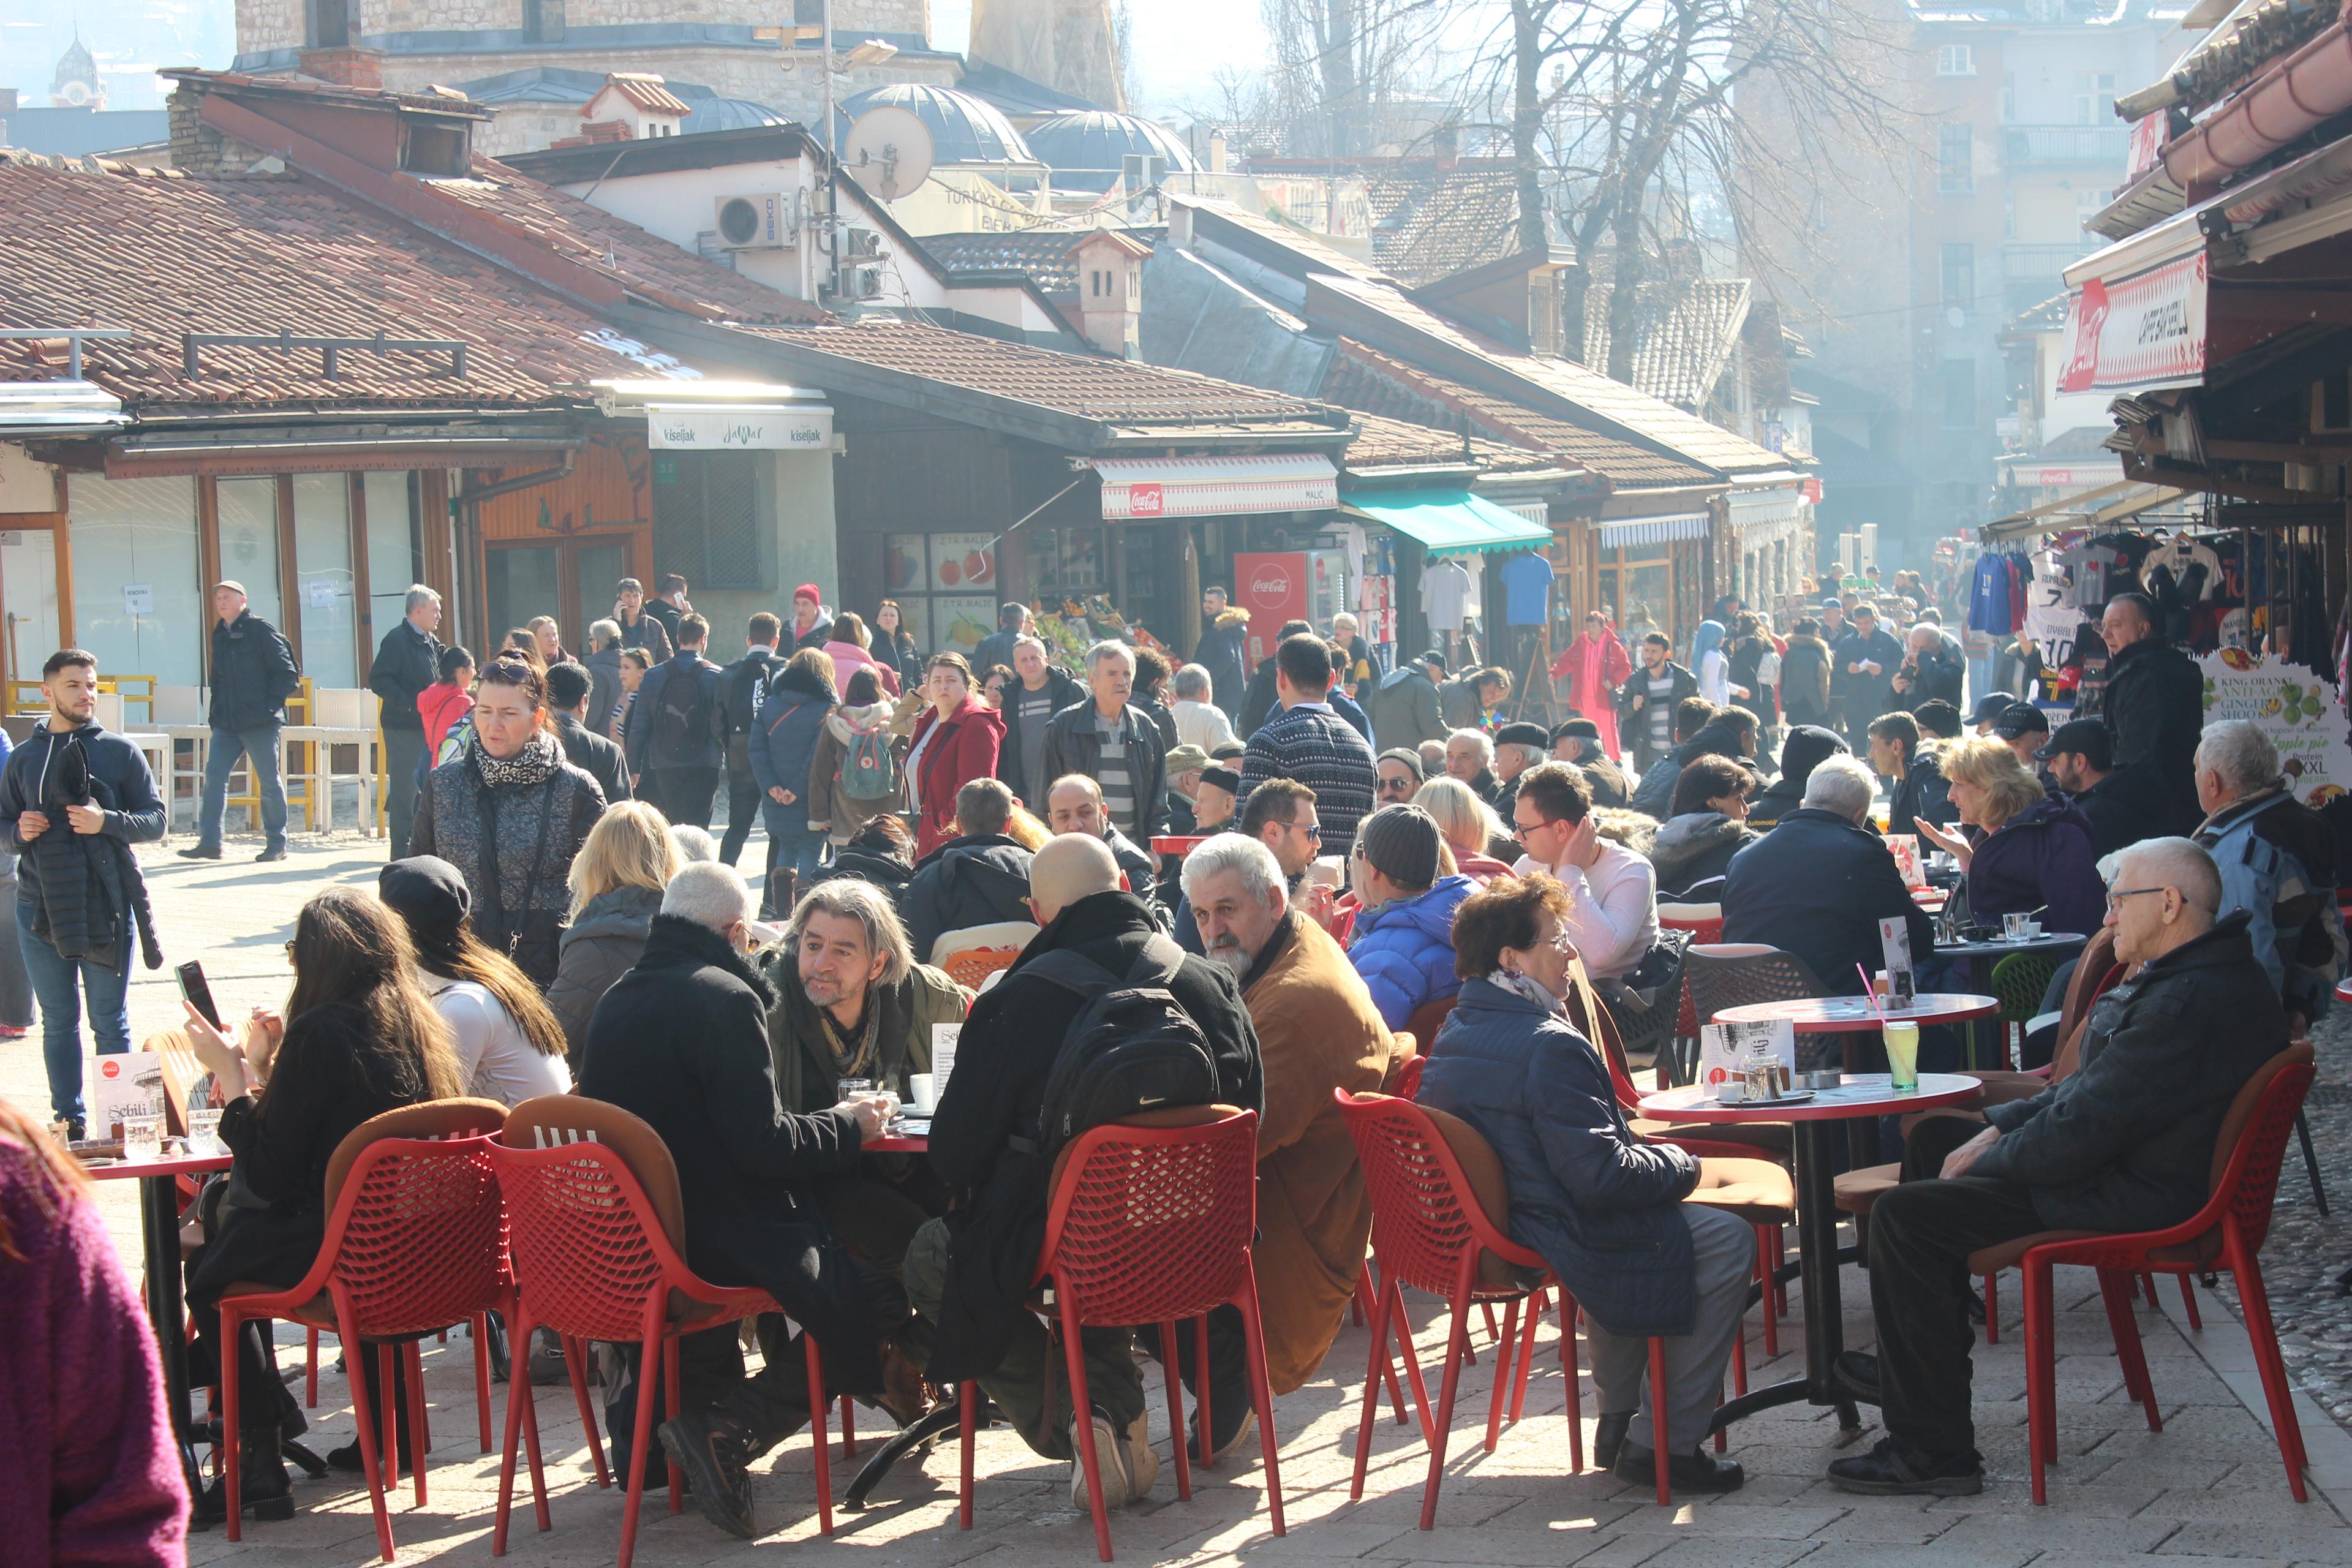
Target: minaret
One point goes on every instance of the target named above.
(1067, 44)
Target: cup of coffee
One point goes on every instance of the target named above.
(922, 1089)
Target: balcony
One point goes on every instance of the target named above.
(2032, 273)
(2065, 146)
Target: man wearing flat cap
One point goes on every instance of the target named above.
(1517, 748)
(253, 673)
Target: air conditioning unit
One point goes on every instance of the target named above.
(861, 244)
(1139, 171)
(763, 221)
(861, 282)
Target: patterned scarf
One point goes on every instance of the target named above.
(1528, 989)
(532, 765)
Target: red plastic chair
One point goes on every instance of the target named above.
(1704, 930)
(1433, 1228)
(598, 1224)
(1152, 1221)
(2226, 1233)
(415, 1241)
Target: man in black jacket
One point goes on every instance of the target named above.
(741, 684)
(1862, 666)
(1074, 805)
(1223, 639)
(669, 606)
(1916, 790)
(2124, 1143)
(978, 877)
(406, 662)
(1045, 689)
(1728, 732)
(1647, 702)
(681, 1040)
(567, 699)
(1115, 743)
(2121, 807)
(971, 1271)
(639, 628)
(2154, 705)
(1820, 882)
(676, 734)
(252, 674)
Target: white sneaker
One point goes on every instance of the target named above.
(1127, 1463)
(1143, 1463)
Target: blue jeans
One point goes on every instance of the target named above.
(54, 980)
(802, 854)
(260, 744)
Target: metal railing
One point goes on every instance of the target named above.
(2031, 144)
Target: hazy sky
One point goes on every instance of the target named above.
(1180, 45)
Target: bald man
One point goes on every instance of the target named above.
(970, 1271)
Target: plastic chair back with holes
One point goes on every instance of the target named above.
(1736, 975)
(1436, 1189)
(1149, 1223)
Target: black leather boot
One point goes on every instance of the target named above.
(265, 1490)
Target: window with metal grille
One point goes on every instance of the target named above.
(1961, 274)
(706, 519)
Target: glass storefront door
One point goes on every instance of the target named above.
(572, 580)
(28, 588)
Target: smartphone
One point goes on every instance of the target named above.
(199, 993)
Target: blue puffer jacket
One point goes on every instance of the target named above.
(1404, 951)
(1600, 1205)
(784, 745)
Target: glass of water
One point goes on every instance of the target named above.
(2015, 927)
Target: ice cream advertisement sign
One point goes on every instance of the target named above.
(2294, 706)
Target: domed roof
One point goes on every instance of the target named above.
(964, 129)
(1083, 147)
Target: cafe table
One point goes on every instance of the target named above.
(159, 1229)
(1812, 1117)
(2344, 989)
(1982, 956)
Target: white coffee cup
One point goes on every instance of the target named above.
(923, 1090)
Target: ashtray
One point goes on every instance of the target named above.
(1827, 1079)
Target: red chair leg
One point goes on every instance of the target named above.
(823, 1465)
(1992, 1309)
(1457, 1342)
(1739, 1359)
(1375, 1363)
(1658, 1418)
(2253, 1299)
(2041, 1373)
(1506, 1343)
(387, 1368)
(232, 1465)
(649, 1355)
(1170, 1376)
(363, 1418)
(1526, 1355)
(538, 1462)
(482, 1373)
(413, 1354)
(968, 1399)
(575, 1357)
(1261, 1395)
(1082, 1423)
(1779, 1260)
(1568, 1369)
(517, 1401)
(2148, 1284)
(1764, 1266)
(311, 1373)
(2189, 1299)
(849, 1428)
(671, 1352)
(1201, 1398)
(2116, 1292)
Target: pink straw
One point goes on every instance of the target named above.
(1870, 992)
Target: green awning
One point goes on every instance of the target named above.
(1451, 522)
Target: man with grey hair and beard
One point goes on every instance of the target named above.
(851, 1003)
(1317, 1030)
(2124, 1144)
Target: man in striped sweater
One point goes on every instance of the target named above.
(1309, 743)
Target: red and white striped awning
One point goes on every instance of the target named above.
(1148, 488)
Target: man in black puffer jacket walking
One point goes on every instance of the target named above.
(253, 673)
(675, 736)
(742, 686)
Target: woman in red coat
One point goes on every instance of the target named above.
(955, 741)
(1594, 667)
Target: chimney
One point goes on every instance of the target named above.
(1111, 290)
(1445, 144)
(346, 66)
(1216, 152)
(7, 100)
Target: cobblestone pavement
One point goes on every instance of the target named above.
(2209, 1486)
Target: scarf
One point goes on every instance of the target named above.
(535, 764)
(1527, 989)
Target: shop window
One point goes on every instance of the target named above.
(395, 554)
(138, 602)
(944, 585)
(29, 583)
(247, 509)
(707, 519)
(322, 577)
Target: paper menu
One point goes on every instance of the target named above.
(1894, 943)
(1722, 1048)
(124, 1085)
(1905, 847)
(943, 1055)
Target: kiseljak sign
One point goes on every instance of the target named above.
(2294, 706)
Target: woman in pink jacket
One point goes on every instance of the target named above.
(1595, 665)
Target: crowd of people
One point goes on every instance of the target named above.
(1364, 867)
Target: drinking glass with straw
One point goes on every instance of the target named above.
(1901, 1041)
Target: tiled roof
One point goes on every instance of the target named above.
(646, 91)
(1630, 409)
(165, 254)
(1044, 254)
(1310, 251)
(641, 262)
(431, 100)
(1467, 218)
(1687, 332)
(1084, 386)
(1383, 442)
(1372, 382)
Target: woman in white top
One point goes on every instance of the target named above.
(508, 1043)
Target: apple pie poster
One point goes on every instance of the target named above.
(2295, 708)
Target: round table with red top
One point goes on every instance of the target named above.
(159, 1229)
(1854, 1014)
(1812, 1123)
(2344, 989)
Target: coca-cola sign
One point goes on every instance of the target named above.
(1147, 500)
(1270, 586)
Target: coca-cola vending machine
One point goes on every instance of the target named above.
(1274, 589)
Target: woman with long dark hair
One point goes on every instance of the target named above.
(510, 813)
(896, 644)
(358, 1037)
(509, 1045)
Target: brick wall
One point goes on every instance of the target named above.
(197, 148)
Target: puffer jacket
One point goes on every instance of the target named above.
(2042, 857)
(978, 879)
(1656, 795)
(84, 890)
(1692, 852)
(253, 673)
(1404, 950)
(1601, 1206)
(599, 947)
(840, 813)
(1805, 680)
(1220, 652)
(784, 747)
(1404, 709)
(513, 841)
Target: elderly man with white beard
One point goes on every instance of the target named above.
(1317, 1030)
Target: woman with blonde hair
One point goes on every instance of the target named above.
(1026, 829)
(1468, 824)
(617, 881)
(2027, 850)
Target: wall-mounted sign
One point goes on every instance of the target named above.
(139, 598)
(743, 428)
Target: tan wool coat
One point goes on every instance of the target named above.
(1317, 1030)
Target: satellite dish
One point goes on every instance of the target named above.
(890, 152)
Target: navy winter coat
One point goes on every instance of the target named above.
(1404, 951)
(1817, 886)
(783, 746)
(2039, 859)
(1598, 1204)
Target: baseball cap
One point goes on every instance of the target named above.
(1990, 707)
(2021, 718)
(1435, 657)
(2088, 738)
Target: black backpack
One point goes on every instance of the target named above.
(1131, 1047)
(683, 722)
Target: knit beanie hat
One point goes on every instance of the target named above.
(1400, 843)
(427, 892)
(1807, 748)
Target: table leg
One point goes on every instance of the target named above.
(159, 1219)
(1817, 1264)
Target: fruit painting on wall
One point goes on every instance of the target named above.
(958, 624)
(964, 562)
(906, 562)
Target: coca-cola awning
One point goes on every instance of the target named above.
(1147, 488)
